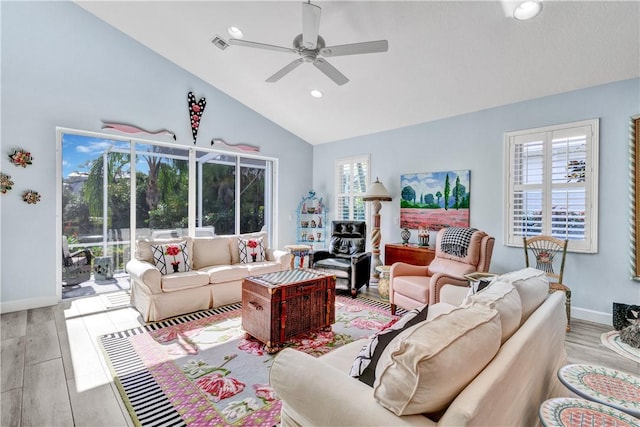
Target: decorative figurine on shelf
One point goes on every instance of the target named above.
(406, 235)
(423, 236)
(313, 223)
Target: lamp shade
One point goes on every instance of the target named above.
(377, 192)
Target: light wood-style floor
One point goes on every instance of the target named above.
(54, 374)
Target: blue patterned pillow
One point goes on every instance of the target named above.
(364, 367)
(171, 257)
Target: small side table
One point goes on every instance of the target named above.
(603, 385)
(572, 412)
(102, 268)
(298, 251)
(383, 282)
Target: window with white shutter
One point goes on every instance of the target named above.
(551, 184)
(352, 176)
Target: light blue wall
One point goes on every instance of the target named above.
(476, 142)
(61, 66)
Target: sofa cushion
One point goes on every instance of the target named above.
(364, 366)
(171, 257)
(425, 367)
(340, 267)
(226, 273)
(143, 246)
(178, 281)
(210, 251)
(233, 243)
(532, 286)
(251, 250)
(505, 298)
(439, 308)
(257, 268)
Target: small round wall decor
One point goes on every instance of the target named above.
(21, 158)
(31, 197)
(5, 183)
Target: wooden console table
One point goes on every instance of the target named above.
(411, 254)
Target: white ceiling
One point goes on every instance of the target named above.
(445, 57)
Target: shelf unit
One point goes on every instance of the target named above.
(311, 225)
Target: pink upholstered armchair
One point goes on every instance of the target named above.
(458, 252)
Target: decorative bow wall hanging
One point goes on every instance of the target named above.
(195, 112)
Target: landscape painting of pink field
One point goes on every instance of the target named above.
(435, 219)
(435, 200)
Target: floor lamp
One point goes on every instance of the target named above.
(376, 194)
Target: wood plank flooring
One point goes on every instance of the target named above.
(53, 372)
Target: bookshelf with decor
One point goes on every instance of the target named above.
(311, 222)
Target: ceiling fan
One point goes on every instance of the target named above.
(310, 47)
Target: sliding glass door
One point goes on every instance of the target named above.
(116, 189)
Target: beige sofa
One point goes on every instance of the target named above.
(487, 361)
(215, 277)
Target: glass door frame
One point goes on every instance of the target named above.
(271, 188)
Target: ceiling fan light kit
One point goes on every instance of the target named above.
(310, 46)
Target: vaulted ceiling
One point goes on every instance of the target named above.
(445, 58)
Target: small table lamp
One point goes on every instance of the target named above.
(376, 194)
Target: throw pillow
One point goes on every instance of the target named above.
(503, 297)
(427, 366)
(533, 287)
(171, 257)
(364, 367)
(251, 250)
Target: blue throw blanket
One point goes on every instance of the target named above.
(455, 240)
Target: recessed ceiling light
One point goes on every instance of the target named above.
(235, 32)
(316, 93)
(527, 10)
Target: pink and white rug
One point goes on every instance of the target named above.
(200, 370)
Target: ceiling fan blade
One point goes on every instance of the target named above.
(355, 48)
(330, 71)
(246, 43)
(310, 25)
(285, 70)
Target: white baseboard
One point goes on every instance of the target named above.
(26, 304)
(592, 316)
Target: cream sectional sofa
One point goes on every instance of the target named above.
(484, 360)
(215, 277)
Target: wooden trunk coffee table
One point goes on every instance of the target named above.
(279, 306)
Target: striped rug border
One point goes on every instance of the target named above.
(142, 395)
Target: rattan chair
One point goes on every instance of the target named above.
(549, 254)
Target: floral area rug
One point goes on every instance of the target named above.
(612, 341)
(200, 370)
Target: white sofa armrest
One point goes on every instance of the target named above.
(453, 294)
(146, 274)
(316, 393)
(281, 257)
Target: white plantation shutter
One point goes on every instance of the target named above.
(352, 176)
(551, 184)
